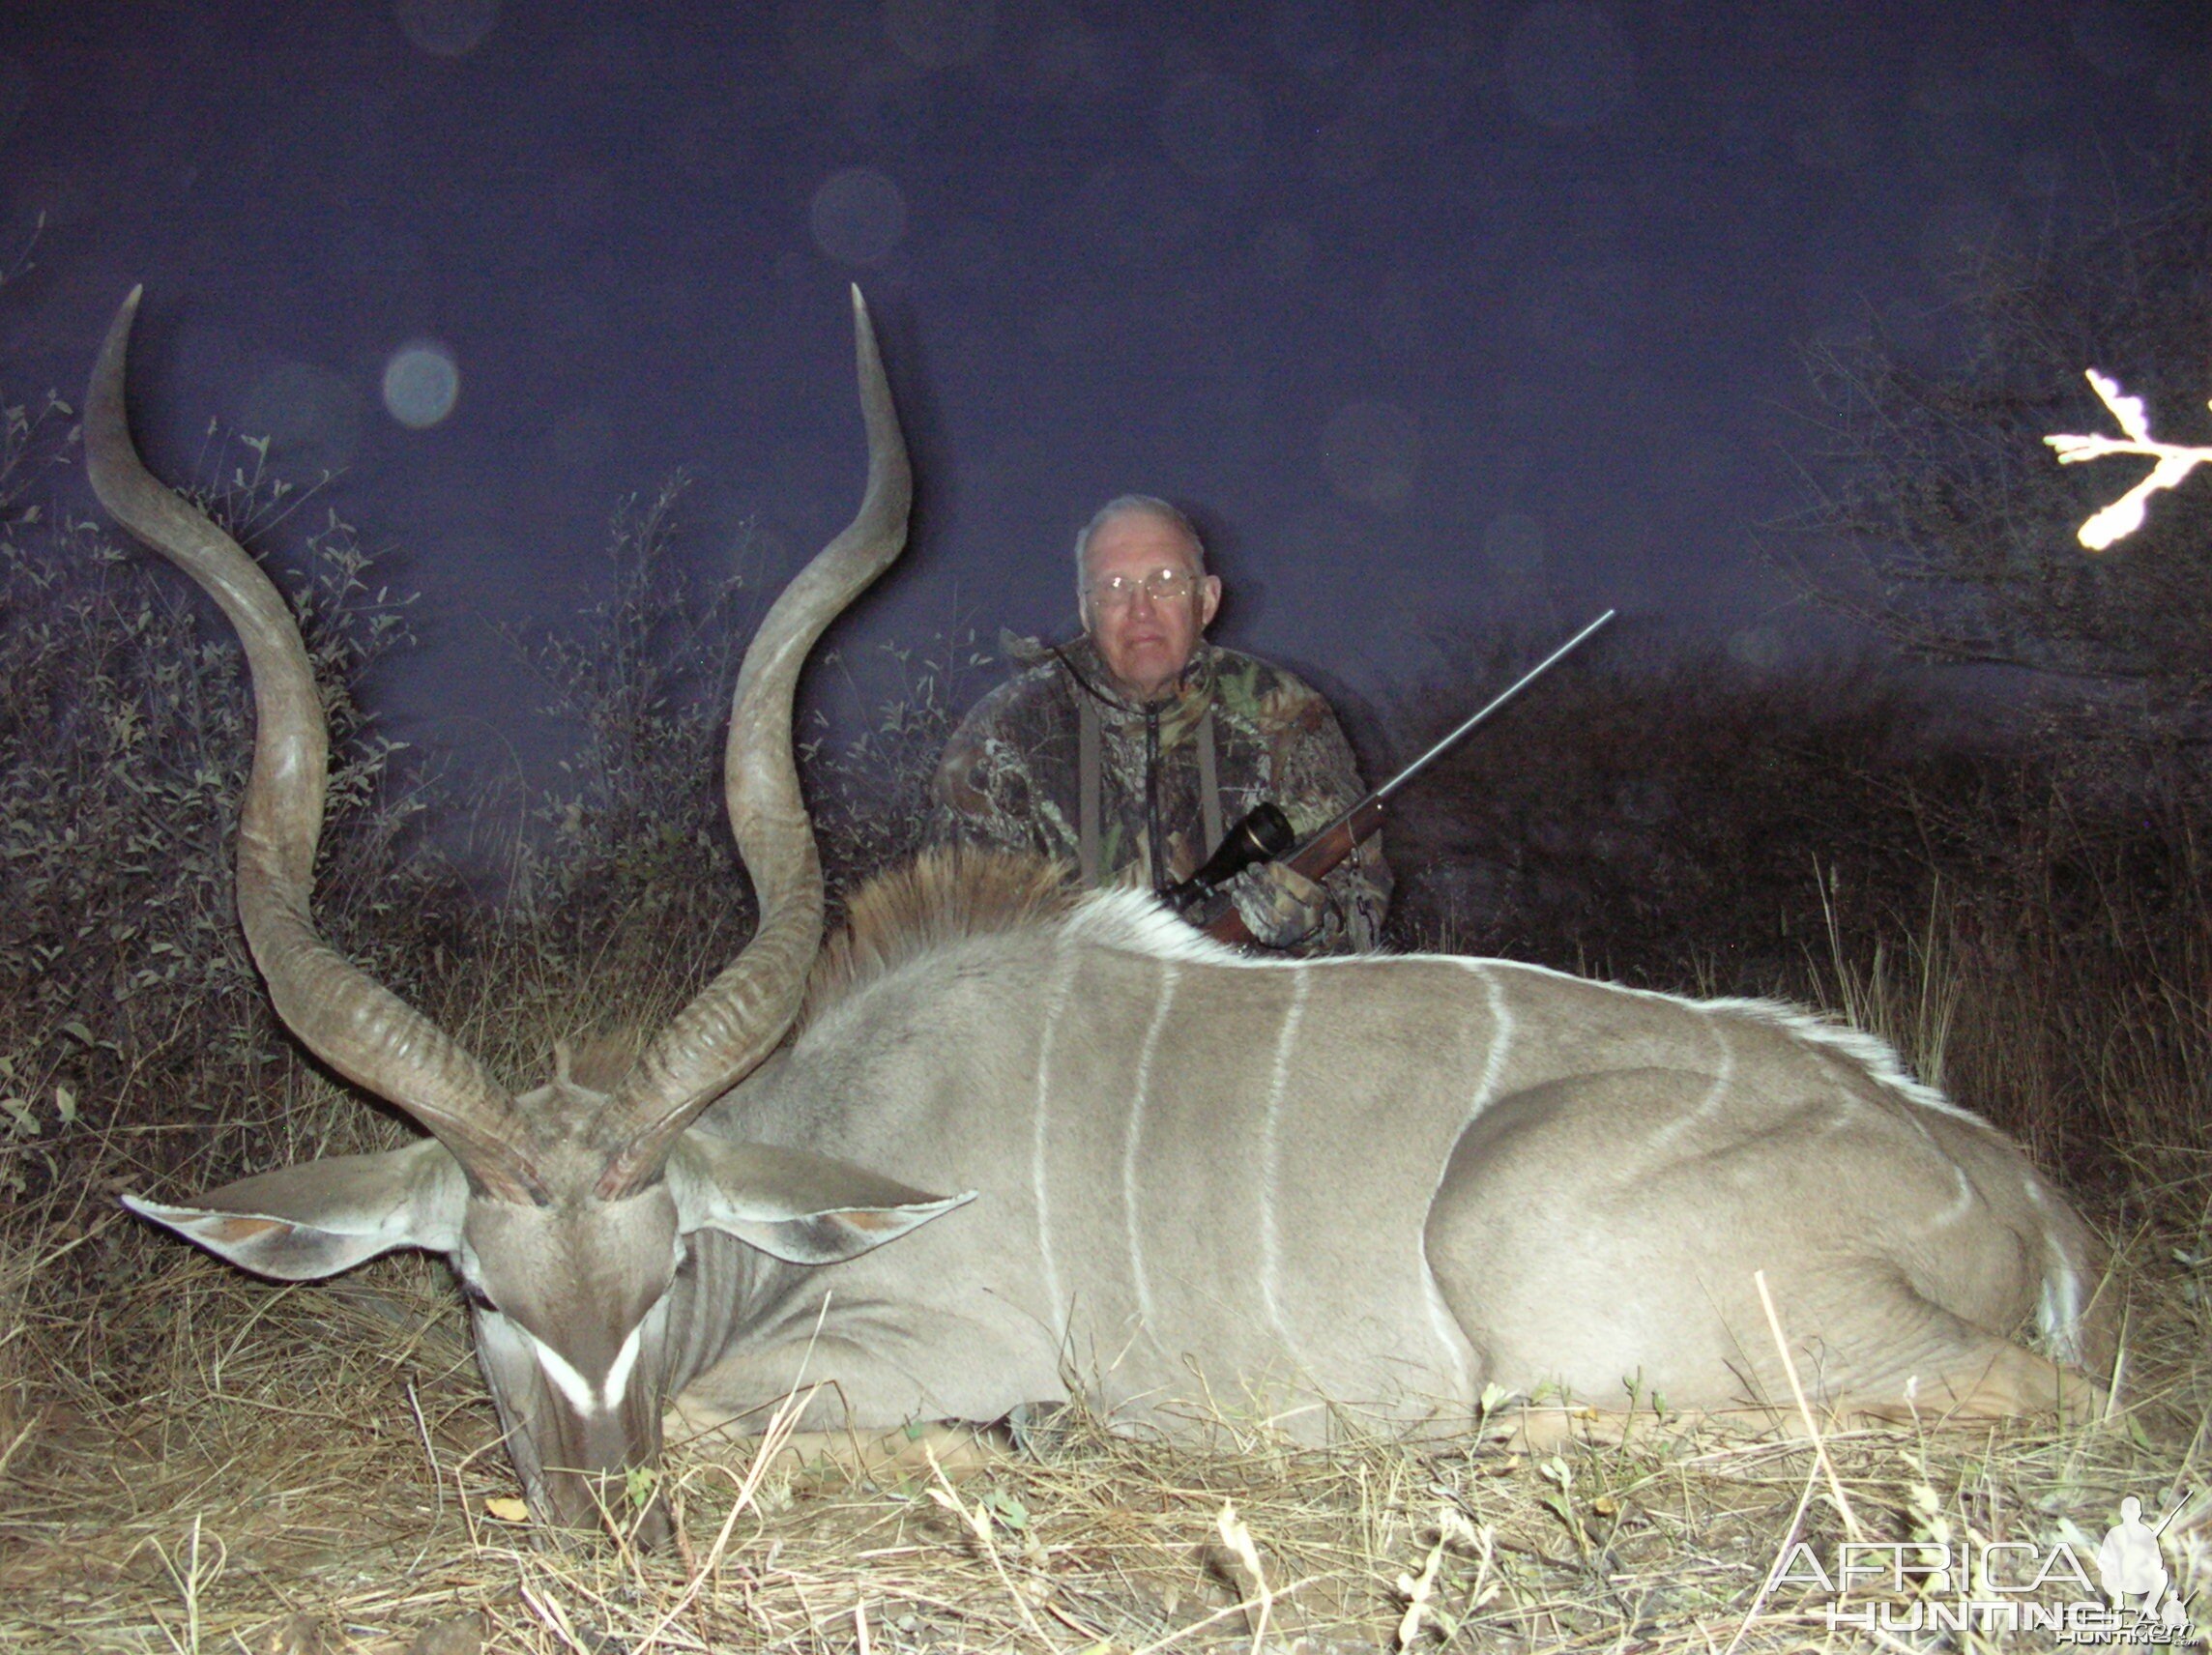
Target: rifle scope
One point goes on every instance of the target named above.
(1261, 836)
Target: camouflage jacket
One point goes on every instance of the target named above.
(1009, 780)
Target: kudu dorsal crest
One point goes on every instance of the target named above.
(568, 1213)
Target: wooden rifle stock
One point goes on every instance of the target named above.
(1316, 859)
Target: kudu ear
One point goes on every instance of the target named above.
(302, 1223)
(801, 1208)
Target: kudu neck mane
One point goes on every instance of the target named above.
(944, 896)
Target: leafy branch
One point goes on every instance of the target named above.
(2173, 462)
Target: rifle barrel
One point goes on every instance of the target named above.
(1507, 694)
(1445, 745)
(1228, 926)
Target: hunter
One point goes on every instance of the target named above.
(1127, 752)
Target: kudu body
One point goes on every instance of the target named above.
(1364, 1189)
(1323, 1190)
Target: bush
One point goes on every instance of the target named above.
(635, 840)
(1934, 512)
(2032, 935)
(633, 843)
(124, 742)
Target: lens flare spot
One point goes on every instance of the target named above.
(1759, 648)
(1372, 453)
(938, 34)
(420, 383)
(858, 216)
(1513, 549)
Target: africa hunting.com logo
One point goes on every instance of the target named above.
(2123, 1592)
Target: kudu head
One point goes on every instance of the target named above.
(568, 1212)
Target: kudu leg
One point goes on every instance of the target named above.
(1991, 1378)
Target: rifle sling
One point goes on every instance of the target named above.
(1209, 788)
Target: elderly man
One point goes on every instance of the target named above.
(1129, 751)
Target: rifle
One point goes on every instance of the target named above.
(1266, 832)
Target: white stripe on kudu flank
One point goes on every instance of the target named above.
(1724, 1075)
(1168, 972)
(1063, 984)
(2058, 1303)
(1270, 1244)
(1500, 1039)
(1963, 1202)
(1441, 1318)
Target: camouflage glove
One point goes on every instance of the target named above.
(1279, 906)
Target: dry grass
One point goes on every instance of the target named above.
(199, 1461)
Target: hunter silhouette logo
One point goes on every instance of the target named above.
(2130, 1563)
(2004, 1585)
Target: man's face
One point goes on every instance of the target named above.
(1145, 640)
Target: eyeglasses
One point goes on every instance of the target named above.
(1161, 586)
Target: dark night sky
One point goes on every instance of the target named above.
(1436, 313)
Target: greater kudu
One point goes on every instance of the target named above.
(1333, 1190)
